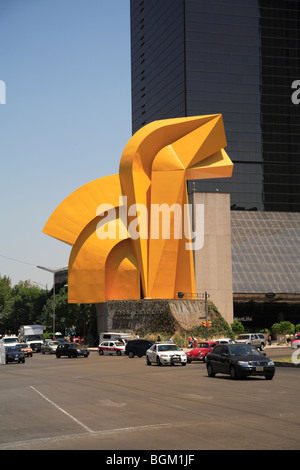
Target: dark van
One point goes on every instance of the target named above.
(137, 347)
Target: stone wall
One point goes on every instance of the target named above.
(151, 314)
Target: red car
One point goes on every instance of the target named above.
(295, 343)
(199, 353)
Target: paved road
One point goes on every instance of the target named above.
(117, 403)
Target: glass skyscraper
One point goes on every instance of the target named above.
(239, 58)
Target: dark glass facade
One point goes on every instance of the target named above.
(235, 57)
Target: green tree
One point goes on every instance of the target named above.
(284, 327)
(23, 306)
(82, 316)
(237, 327)
(5, 288)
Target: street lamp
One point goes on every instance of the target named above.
(192, 295)
(53, 271)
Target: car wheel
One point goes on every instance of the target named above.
(269, 376)
(58, 356)
(131, 354)
(147, 361)
(158, 361)
(183, 363)
(100, 352)
(233, 372)
(119, 353)
(210, 371)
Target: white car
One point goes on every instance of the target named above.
(224, 341)
(165, 353)
(10, 340)
(111, 347)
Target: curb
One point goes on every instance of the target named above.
(286, 364)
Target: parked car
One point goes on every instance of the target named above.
(14, 354)
(200, 352)
(255, 339)
(111, 347)
(49, 347)
(26, 350)
(71, 350)
(165, 353)
(137, 347)
(239, 360)
(224, 341)
(295, 342)
(10, 340)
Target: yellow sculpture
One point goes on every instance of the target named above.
(121, 249)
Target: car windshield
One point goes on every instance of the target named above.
(23, 345)
(243, 350)
(119, 343)
(168, 347)
(10, 340)
(243, 337)
(53, 343)
(203, 345)
(13, 349)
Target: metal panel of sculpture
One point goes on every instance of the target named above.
(130, 232)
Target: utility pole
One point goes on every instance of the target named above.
(53, 271)
(206, 319)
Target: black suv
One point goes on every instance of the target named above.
(71, 350)
(14, 354)
(137, 347)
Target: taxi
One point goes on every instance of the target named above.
(111, 347)
(26, 350)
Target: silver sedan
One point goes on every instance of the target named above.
(50, 347)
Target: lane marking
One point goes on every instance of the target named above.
(107, 432)
(62, 410)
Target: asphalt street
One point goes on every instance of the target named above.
(117, 403)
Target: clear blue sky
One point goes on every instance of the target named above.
(66, 121)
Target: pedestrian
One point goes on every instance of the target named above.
(136, 336)
(158, 338)
(287, 339)
(270, 340)
(170, 339)
(190, 340)
(195, 341)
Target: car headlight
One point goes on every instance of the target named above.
(271, 363)
(243, 363)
